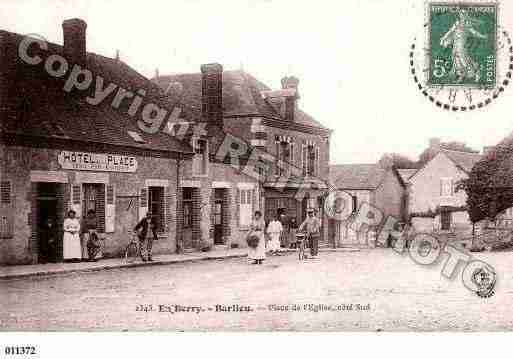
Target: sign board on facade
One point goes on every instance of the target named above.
(85, 161)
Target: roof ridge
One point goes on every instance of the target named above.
(464, 152)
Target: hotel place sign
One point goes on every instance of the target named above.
(84, 161)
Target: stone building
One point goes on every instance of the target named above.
(293, 148)
(378, 185)
(60, 148)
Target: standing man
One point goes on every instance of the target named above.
(312, 227)
(146, 230)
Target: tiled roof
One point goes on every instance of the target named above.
(241, 96)
(464, 160)
(406, 173)
(34, 103)
(357, 176)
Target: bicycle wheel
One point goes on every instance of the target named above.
(131, 252)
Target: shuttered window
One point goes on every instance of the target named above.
(156, 206)
(110, 209)
(245, 207)
(6, 210)
(5, 192)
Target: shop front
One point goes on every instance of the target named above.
(40, 186)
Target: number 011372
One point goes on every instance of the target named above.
(20, 350)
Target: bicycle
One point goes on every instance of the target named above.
(301, 242)
(132, 250)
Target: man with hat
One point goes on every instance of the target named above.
(146, 230)
(312, 227)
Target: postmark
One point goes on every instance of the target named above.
(463, 58)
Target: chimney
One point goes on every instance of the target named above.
(434, 143)
(75, 41)
(290, 83)
(212, 94)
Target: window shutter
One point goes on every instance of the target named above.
(5, 192)
(110, 209)
(253, 202)
(101, 208)
(143, 202)
(6, 210)
(317, 162)
(76, 199)
(303, 159)
(167, 209)
(278, 159)
(237, 205)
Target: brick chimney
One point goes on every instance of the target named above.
(212, 94)
(75, 41)
(290, 83)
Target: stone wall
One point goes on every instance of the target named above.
(20, 161)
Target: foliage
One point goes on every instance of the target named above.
(397, 161)
(489, 187)
(430, 213)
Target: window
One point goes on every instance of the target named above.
(304, 161)
(93, 198)
(156, 206)
(5, 192)
(445, 218)
(355, 203)
(311, 161)
(446, 187)
(246, 206)
(284, 155)
(200, 161)
(187, 207)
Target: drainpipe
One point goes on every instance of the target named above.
(179, 236)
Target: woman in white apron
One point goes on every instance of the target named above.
(274, 230)
(257, 228)
(72, 249)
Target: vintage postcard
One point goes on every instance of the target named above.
(265, 165)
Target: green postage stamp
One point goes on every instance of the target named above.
(462, 40)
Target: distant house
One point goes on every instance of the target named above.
(380, 187)
(433, 202)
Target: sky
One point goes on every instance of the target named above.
(351, 58)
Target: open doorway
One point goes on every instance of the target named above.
(219, 208)
(48, 234)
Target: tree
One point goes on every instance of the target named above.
(398, 161)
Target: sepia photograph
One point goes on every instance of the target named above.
(255, 166)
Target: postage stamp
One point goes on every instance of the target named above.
(462, 42)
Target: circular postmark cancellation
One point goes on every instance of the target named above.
(464, 59)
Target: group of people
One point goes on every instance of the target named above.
(81, 240)
(311, 226)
